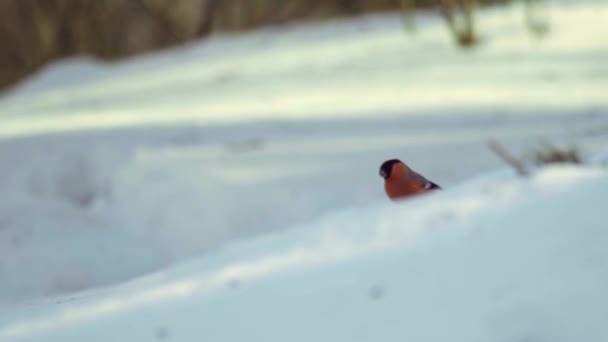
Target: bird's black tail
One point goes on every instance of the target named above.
(434, 186)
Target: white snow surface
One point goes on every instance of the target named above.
(238, 176)
(495, 259)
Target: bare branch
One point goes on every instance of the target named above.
(446, 9)
(206, 20)
(500, 151)
(408, 10)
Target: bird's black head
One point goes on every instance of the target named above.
(387, 167)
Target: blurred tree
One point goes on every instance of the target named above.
(408, 10)
(461, 26)
(535, 17)
(207, 9)
(35, 32)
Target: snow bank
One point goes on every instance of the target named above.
(127, 161)
(497, 259)
(48, 247)
(72, 205)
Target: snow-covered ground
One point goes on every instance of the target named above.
(239, 176)
(497, 259)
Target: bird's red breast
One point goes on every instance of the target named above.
(396, 189)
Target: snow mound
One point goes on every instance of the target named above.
(52, 238)
(50, 247)
(496, 259)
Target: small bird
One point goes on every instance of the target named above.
(400, 181)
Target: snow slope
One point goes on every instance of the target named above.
(110, 172)
(495, 259)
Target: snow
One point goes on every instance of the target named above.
(228, 190)
(168, 194)
(497, 259)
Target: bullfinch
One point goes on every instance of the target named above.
(400, 181)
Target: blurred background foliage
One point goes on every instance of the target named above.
(36, 32)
